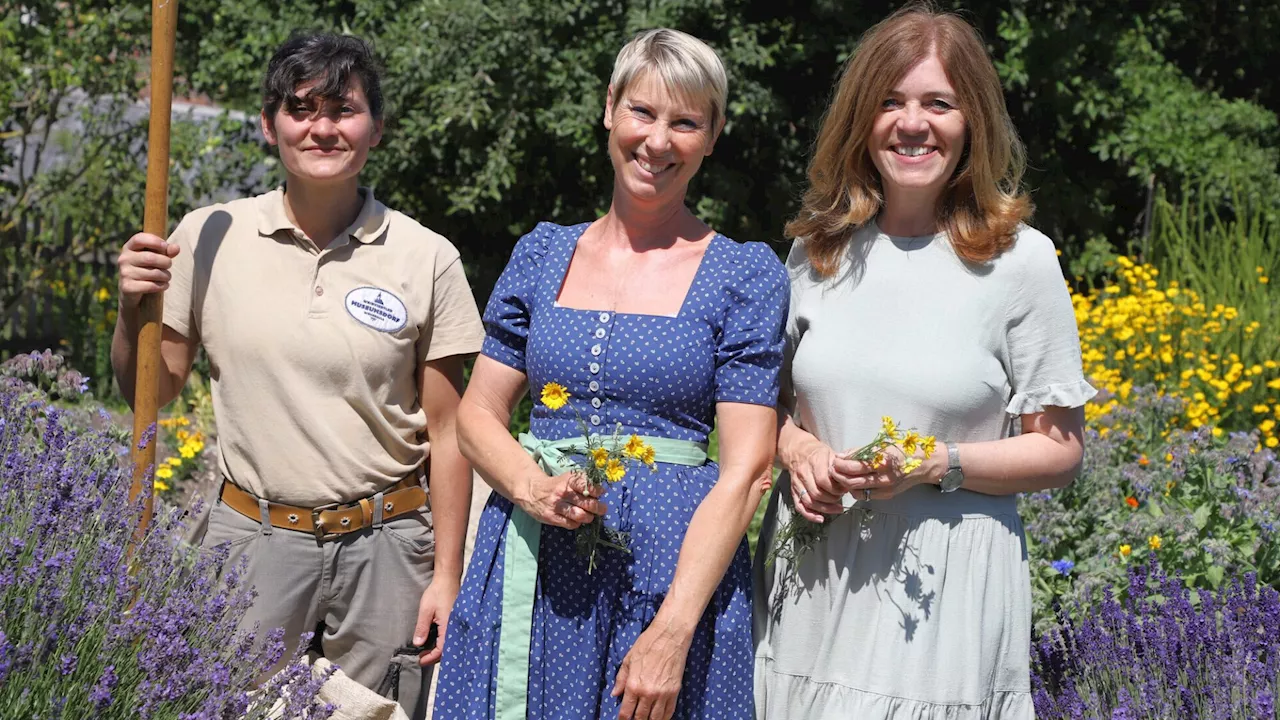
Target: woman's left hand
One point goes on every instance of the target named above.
(870, 482)
(650, 676)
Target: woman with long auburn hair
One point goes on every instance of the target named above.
(919, 293)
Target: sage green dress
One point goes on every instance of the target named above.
(919, 607)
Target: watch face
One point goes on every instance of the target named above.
(951, 480)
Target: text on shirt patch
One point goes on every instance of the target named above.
(376, 308)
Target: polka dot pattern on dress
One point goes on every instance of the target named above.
(656, 375)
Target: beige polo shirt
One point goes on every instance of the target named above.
(315, 353)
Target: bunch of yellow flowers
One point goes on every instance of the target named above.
(1141, 330)
(189, 443)
(606, 462)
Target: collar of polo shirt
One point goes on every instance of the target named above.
(368, 226)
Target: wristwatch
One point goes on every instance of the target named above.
(954, 477)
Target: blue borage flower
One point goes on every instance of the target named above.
(1064, 566)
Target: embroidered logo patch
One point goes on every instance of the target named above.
(376, 308)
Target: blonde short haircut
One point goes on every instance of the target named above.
(686, 65)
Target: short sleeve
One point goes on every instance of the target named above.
(510, 307)
(797, 267)
(1042, 341)
(454, 325)
(749, 354)
(180, 297)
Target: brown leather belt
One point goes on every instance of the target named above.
(333, 520)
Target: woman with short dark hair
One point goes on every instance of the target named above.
(336, 329)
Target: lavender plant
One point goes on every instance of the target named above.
(1163, 653)
(90, 630)
(1204, 503)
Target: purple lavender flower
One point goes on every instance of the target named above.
(90, 630)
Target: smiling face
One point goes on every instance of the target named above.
(324, 140)
(657, 140)
(918, 136)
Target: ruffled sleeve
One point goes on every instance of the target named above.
(749, 353)
(510, 306)
(1042, 341)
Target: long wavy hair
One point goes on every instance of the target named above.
(983, 203)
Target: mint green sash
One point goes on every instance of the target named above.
(520, 564)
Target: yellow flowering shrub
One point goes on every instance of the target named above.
(187, 444)
(1142, 330)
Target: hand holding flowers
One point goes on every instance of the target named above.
(890, 464)
(571, 499)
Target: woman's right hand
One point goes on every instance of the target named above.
(818, 479)
(564, 500)
(144, 264)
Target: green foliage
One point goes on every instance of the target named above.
(1228, 259)
(1112, 105)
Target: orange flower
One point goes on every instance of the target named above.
(1132, 502)
(1143, 461)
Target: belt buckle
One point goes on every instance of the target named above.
(317, 528)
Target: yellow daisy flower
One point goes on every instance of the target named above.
(1154, 542)
(889, 427)
(910, 442)
(928, 444)
(1125, 550)
(600, 457)
(647, 455)
(554, 395)
(160, 485)
(910, 465)
(165, 472)
(614, 470)
(634, 447)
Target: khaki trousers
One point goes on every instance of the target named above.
(362, 590)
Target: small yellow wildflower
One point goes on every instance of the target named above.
(600, 456)
(889, 427)
(1272, 442)
(910, 442)
(164, 471)
(614, 470)
(554, 395)
(647, 456)
(160, 485)
(102, 295)
(928, 445)
(1125, 550)
(186, 452)
(173, 461)
(634, 447)
(910, 465)
(1154, 542)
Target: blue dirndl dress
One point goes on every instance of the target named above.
(657, 376)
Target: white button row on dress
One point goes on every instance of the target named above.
(604, 317)
(594, 367)
(595, 402)
(595, 419)
(593, 385)
(596, 349)
(599, 332)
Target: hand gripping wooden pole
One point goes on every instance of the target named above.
(146, 398)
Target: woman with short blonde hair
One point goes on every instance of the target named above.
(658, 326)
(919, 293)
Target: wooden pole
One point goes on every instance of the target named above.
(146, 398)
